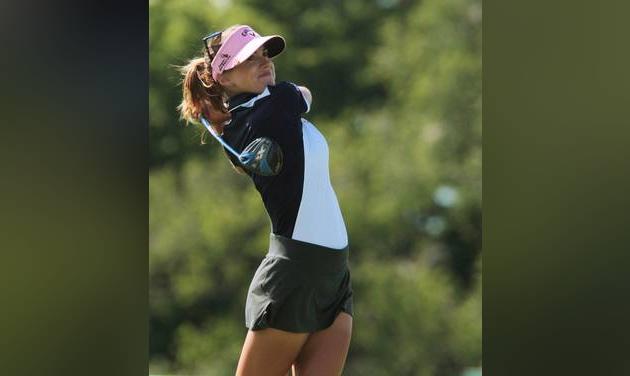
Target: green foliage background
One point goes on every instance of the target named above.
(397, 93)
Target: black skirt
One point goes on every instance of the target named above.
(298, 287)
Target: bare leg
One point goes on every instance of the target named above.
(324, 352)
(269, 352)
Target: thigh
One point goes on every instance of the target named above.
(269, 352)
(325, 351)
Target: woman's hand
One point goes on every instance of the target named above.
(306, 94)
(216, 118)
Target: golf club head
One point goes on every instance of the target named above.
(263, 156)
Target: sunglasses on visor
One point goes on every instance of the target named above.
(207, 42)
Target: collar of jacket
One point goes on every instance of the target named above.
(245, 100)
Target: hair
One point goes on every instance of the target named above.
(201, 94)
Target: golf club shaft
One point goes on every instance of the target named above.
(217, 137)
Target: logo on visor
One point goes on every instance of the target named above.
(247, 32)
(225, 58)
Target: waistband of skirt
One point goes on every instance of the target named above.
(318, 256)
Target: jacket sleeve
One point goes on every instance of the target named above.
(289, 98)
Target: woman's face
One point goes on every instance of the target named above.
(251, 76)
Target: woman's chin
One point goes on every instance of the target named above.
(268, 80)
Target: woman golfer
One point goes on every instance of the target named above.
(299, 303)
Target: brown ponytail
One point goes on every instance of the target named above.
(202, 95)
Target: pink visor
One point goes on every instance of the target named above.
(240, 45)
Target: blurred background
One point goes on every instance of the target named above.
(397, 92)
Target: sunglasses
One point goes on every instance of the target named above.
(207, 42)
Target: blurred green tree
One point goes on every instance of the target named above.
(397, 93)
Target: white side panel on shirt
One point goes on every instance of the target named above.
(319, 220)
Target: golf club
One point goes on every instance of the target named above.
(262, 156)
